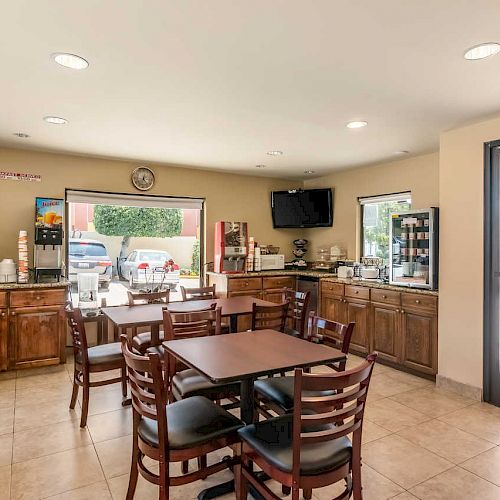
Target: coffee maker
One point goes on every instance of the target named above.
(230, 247)
(48, 239)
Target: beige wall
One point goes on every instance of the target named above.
(228, 197)
(461, 263)
(420, 175)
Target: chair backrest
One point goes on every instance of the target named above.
(297, 311)
(201, 293)
(182, 325)
(330, 333)
(135, 299)
(78, 335)
(269, 317)
(148, 389)
(325, 418)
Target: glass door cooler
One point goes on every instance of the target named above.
(414, 249)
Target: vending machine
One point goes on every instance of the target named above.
(230, 247)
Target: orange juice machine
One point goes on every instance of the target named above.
(48, 239)
(230, 246)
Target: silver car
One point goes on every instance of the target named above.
(89, 256)
(150, 268)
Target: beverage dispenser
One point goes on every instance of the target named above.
(230, 246)
(48, 238)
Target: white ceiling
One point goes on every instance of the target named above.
(217, 83)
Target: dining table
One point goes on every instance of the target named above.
(151, 315)
(244, 357)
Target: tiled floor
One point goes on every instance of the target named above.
(419, 442)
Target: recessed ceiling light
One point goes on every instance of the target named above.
(275, 153)
(357, 124)
(402, 152)
(308, 172)
(260, 166)
(482, 51)
(70, 60)
(56, 120)
(21, 135)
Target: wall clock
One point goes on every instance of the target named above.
(143, 178)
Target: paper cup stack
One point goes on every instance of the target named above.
(22, 246)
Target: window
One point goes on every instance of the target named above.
(375, 222)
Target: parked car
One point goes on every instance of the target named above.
(89, 256)
(150, 268)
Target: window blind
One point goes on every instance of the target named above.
(384, 198)
(132, 200)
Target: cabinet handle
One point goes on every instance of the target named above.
(3, 315)
(38, 297)
(402, 311)
(356, 291)
(13, 313)
(417, 301)
(246, 283)
(384, 296)
(398, 311)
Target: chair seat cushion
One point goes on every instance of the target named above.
(280, 391)
(272, 439)
(104, 354)
(187, 383)
(191, 422)
(142, 341)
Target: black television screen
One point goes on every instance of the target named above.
(302, 208)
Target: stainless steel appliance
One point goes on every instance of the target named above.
(230, 246)
(413, 252)
(309, 284)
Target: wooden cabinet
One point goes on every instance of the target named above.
(358, 311)
(4, 335)
(245, 322)
(32, 327)
(385, 332)
(272, 287)
(35, 336)
(419, 334)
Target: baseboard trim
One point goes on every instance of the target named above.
(465, 390)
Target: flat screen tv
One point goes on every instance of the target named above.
(302, 208)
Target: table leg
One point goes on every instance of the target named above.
(233, 323)
(100, 321)
(155, 335)
(248, 415)
(116, 333)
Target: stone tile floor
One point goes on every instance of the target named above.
(419, 442)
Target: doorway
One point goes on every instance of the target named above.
(133, 242)
(491, 324)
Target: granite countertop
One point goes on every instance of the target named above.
(330, 277)
(25, 286)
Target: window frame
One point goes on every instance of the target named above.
(381, 198)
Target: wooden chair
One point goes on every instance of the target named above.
(297, 311)
(175, 432)
(189, 382)
(277, 393)
(202, 293)
(88, 360)
(310, 448)
(269, 317)
(141, 341)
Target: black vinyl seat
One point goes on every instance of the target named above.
(280, 390)
(188, 383)
(142, 341)
(103, 354)
(192, 422)
(272, 439)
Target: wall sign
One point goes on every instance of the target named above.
(19, 176)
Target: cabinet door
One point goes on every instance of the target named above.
(275, 296)
(3, 339)
(245, 321)
(358, 312)
(36, 335)
(333, 308)
(385, 332)
(420, 341)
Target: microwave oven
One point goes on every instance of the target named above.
(269, 262)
